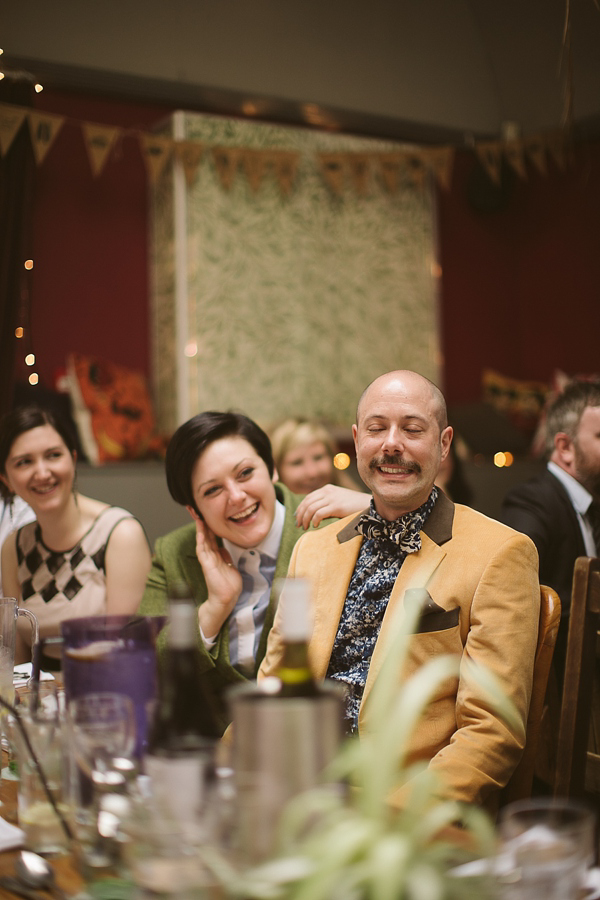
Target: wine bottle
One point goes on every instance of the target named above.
(294, 672)
(180, 743)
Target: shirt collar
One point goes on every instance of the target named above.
(579, 496)
(269, 545)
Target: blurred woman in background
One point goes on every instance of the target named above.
(304, 453)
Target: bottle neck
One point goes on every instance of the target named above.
(182, 625)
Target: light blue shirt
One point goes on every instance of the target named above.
(256, 565)
(581, 499)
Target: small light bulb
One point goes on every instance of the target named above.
(19, 331)
(500, 459)
(191, 348)
(30, 359)
(1, 75)
(33, 378)
(28, 264)
(38, 88)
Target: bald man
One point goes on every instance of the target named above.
(474, 578)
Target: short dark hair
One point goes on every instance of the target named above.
(565, 412)
(24, 418)
(193, 437)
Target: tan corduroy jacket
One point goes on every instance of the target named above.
(482, 602)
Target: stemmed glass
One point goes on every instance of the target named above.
(102, 729)
(102, 726)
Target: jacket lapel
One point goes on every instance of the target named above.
(333, 580)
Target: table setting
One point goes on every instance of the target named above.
(284, 808)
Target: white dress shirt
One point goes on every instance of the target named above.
(11, 519)
(581, 499)
(257, 567)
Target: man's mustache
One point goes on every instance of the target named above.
(411, 465)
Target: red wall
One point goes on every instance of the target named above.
(90, 281)
(520, 286)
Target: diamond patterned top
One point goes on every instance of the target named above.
(56, 586)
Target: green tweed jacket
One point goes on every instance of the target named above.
(174, 561)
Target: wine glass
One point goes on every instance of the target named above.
(102, 726)
(102, 729)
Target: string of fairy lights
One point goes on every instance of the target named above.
(23, 330)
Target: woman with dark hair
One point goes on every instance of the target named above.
(220, 467)
(80, 557)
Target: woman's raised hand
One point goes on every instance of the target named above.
(223, 581)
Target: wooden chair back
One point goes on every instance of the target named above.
(580, 674)
(520, 783)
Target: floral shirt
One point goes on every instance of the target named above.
(383, 550)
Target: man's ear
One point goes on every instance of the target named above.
(564, 450)
(446, 440)
(354, 433)
(196, 516)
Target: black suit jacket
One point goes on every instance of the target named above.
(542, 509)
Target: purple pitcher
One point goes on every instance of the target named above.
(115, 654)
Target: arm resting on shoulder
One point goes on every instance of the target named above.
(330, 502)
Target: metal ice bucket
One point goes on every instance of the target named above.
(280, 748)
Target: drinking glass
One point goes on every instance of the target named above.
(102, 730)
(9, 613)
(102, 726)
(546, 846)
(39, 814)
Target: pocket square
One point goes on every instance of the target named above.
(433, 617)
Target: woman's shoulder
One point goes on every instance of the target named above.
(103, 519)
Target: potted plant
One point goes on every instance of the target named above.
(353, 844)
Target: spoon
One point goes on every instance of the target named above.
(36, 872)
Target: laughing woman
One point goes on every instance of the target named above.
(220, 467)
(80, 557)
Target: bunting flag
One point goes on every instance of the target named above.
(490, 156)
(536, 151)
(441, 162)
(333, 169)
(189, 154)
(390, 165)
(415, 166)
(156, 152)
(43, 128)
(339, 170)
(11, 119)
(227, 160)
(285, 166)
(515, 154)
(254, 163)
(358, 164)
(99, 141)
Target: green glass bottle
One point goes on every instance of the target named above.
(294, 672)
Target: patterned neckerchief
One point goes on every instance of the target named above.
(402, 534)
(383, 550)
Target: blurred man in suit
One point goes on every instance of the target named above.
(560, 509)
